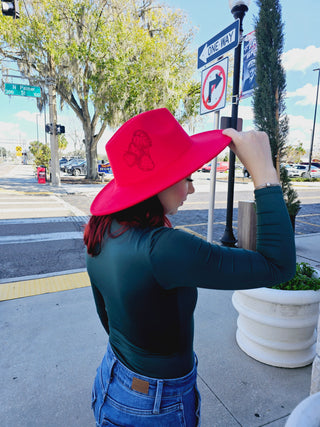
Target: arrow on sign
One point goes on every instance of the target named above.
(213, 84)
(204, 54)
(218, 45)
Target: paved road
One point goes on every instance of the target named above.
(41, 231)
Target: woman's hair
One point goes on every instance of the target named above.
(149, 213)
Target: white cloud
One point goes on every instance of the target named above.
(300, 130)
(103, 140)
(245, 112)
(11, 135)
(301, 59)
(28, 116)
(307, 93)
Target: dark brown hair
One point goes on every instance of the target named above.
(148, 213)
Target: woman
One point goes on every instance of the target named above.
(145, 274)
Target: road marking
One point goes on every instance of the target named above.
(29, 202)
(41, 193)
(316, 214)
(73, 209)
(59, 208)
(44, 220)
(184, 228)
(29, 288)
(33, 238)
(42, 276)
(308, 223)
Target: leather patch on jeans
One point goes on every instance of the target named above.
(140, 385)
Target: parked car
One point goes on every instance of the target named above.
(303, 171)
(70, 163)
(317, 164)
(62, 161)
(315, 172)
(221, 167)
(292, 172)
(78, 169)
(76, 162)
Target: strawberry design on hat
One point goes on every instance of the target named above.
(138, 151)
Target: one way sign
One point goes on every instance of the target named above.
(226, 40)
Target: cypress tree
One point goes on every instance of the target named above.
(268, 97)
(269, 94)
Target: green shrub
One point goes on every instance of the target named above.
(300, 179)
(304, 280)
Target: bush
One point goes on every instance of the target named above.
(304, 280)
(300, 179)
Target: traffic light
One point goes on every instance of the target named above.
(59, 129)
(10, 8)
(48, 128)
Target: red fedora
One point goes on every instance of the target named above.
(148, 154)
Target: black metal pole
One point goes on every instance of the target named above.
(314, 121)
(228, 238)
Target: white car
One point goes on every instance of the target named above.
(291, 170)
(303, 171)
(315, 172)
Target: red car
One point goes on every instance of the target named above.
(221, 167)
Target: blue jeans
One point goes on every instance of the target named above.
(120, 397)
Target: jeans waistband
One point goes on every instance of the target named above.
(147, 385)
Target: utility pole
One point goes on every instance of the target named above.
(314, 120)
(54, 164)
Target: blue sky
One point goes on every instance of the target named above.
(18, 115)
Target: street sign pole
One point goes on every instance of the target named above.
(213, 180)
(54, 165)
(228, 238)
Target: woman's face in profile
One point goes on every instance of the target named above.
(173, 197)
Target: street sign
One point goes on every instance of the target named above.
(214, 87)
(221, 43)
(18, 150)
(104, 168)
(22, 90)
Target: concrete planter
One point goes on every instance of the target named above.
(307, 413)
(277, 327)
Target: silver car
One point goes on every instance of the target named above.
(303, 171)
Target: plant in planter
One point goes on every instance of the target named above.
(277, 326)
(305, 279)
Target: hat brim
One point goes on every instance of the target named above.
(205, 146)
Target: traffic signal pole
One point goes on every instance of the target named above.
(54, 162)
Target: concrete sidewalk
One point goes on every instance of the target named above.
(51, 345)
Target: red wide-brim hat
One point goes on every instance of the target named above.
(148, 154)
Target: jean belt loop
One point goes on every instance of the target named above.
(157, 400)
(108, 378)
(105, 381)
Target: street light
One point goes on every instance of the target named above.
(314, 121)
(238, 10)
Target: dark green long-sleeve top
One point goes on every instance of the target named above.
(145, 284)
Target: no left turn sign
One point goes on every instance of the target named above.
(214, 87)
